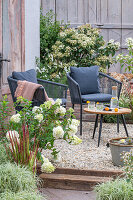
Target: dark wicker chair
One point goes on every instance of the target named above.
(106, 83)
(54, 90)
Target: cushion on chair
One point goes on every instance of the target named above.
(29, 75)
(98, 97)
(87, 78)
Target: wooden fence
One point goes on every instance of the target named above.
(113, 17)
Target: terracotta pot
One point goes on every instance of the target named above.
(117, 149)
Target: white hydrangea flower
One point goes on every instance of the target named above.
(39, 117)
(47, 104)
(61, 110)
(57, 159)
(58, 101)
(76, 140)
(47, 167)
(44, 159)
(75, 122)
(129, 42)
(15, 118)
(58, 132)
(12, 134)
(73, 130)
(36, 109)
(111, 41)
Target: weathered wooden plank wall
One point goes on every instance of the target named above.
(114, 18)
(12, 41)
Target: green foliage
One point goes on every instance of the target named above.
(127, 60)
(110, 118)
(119, 189)
(5, 111)
(14, 178)
(3, 156)
(126, 98)
(49, 31)
(41, 122)
(24, 195)
(81, 47)
(128, 164)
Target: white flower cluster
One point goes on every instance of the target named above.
(15, 118)
(73, 127)
(75, 140)
(36, 109)
(113, 44)
(129, 42)
(58, 132)
(47, 104)
(39, 117)
(58, 102)
(47, 166)
(61, 110)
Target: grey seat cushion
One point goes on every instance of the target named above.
(98, 97)
(87, 78)
(29, 75)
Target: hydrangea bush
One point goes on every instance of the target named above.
(45, 123)
(81, 47)
(127, 60)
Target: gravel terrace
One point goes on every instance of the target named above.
(87, 155)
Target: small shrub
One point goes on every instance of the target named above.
(5, 111)
(110, 118)
(49, 31)
(4, 158)
(24, 195)
(128, 163)
(119, 189)
(14, 178)
(127, 60)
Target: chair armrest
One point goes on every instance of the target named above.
(74, 89)
(106, 83)
(54, 90)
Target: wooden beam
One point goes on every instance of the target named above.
(23, 35)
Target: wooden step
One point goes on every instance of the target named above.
(76, 179)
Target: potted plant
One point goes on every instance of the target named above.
(117, 147)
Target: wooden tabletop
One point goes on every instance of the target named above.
(120, 111)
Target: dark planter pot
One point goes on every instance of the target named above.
(117, 149)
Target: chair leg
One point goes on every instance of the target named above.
(80, 119)
(95, 126)
(100, 130)
(73, 106)
(124, 124)
(117, 123)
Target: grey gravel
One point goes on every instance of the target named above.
(87, 155)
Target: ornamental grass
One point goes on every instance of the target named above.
(119, 189)
(14, 178)
(24, 195)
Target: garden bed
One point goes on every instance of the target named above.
(87, 155)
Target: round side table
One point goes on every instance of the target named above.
(121, 112)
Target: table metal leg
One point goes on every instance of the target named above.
(124, 124)
(100, 129)
(95, 126)
(117, 123)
